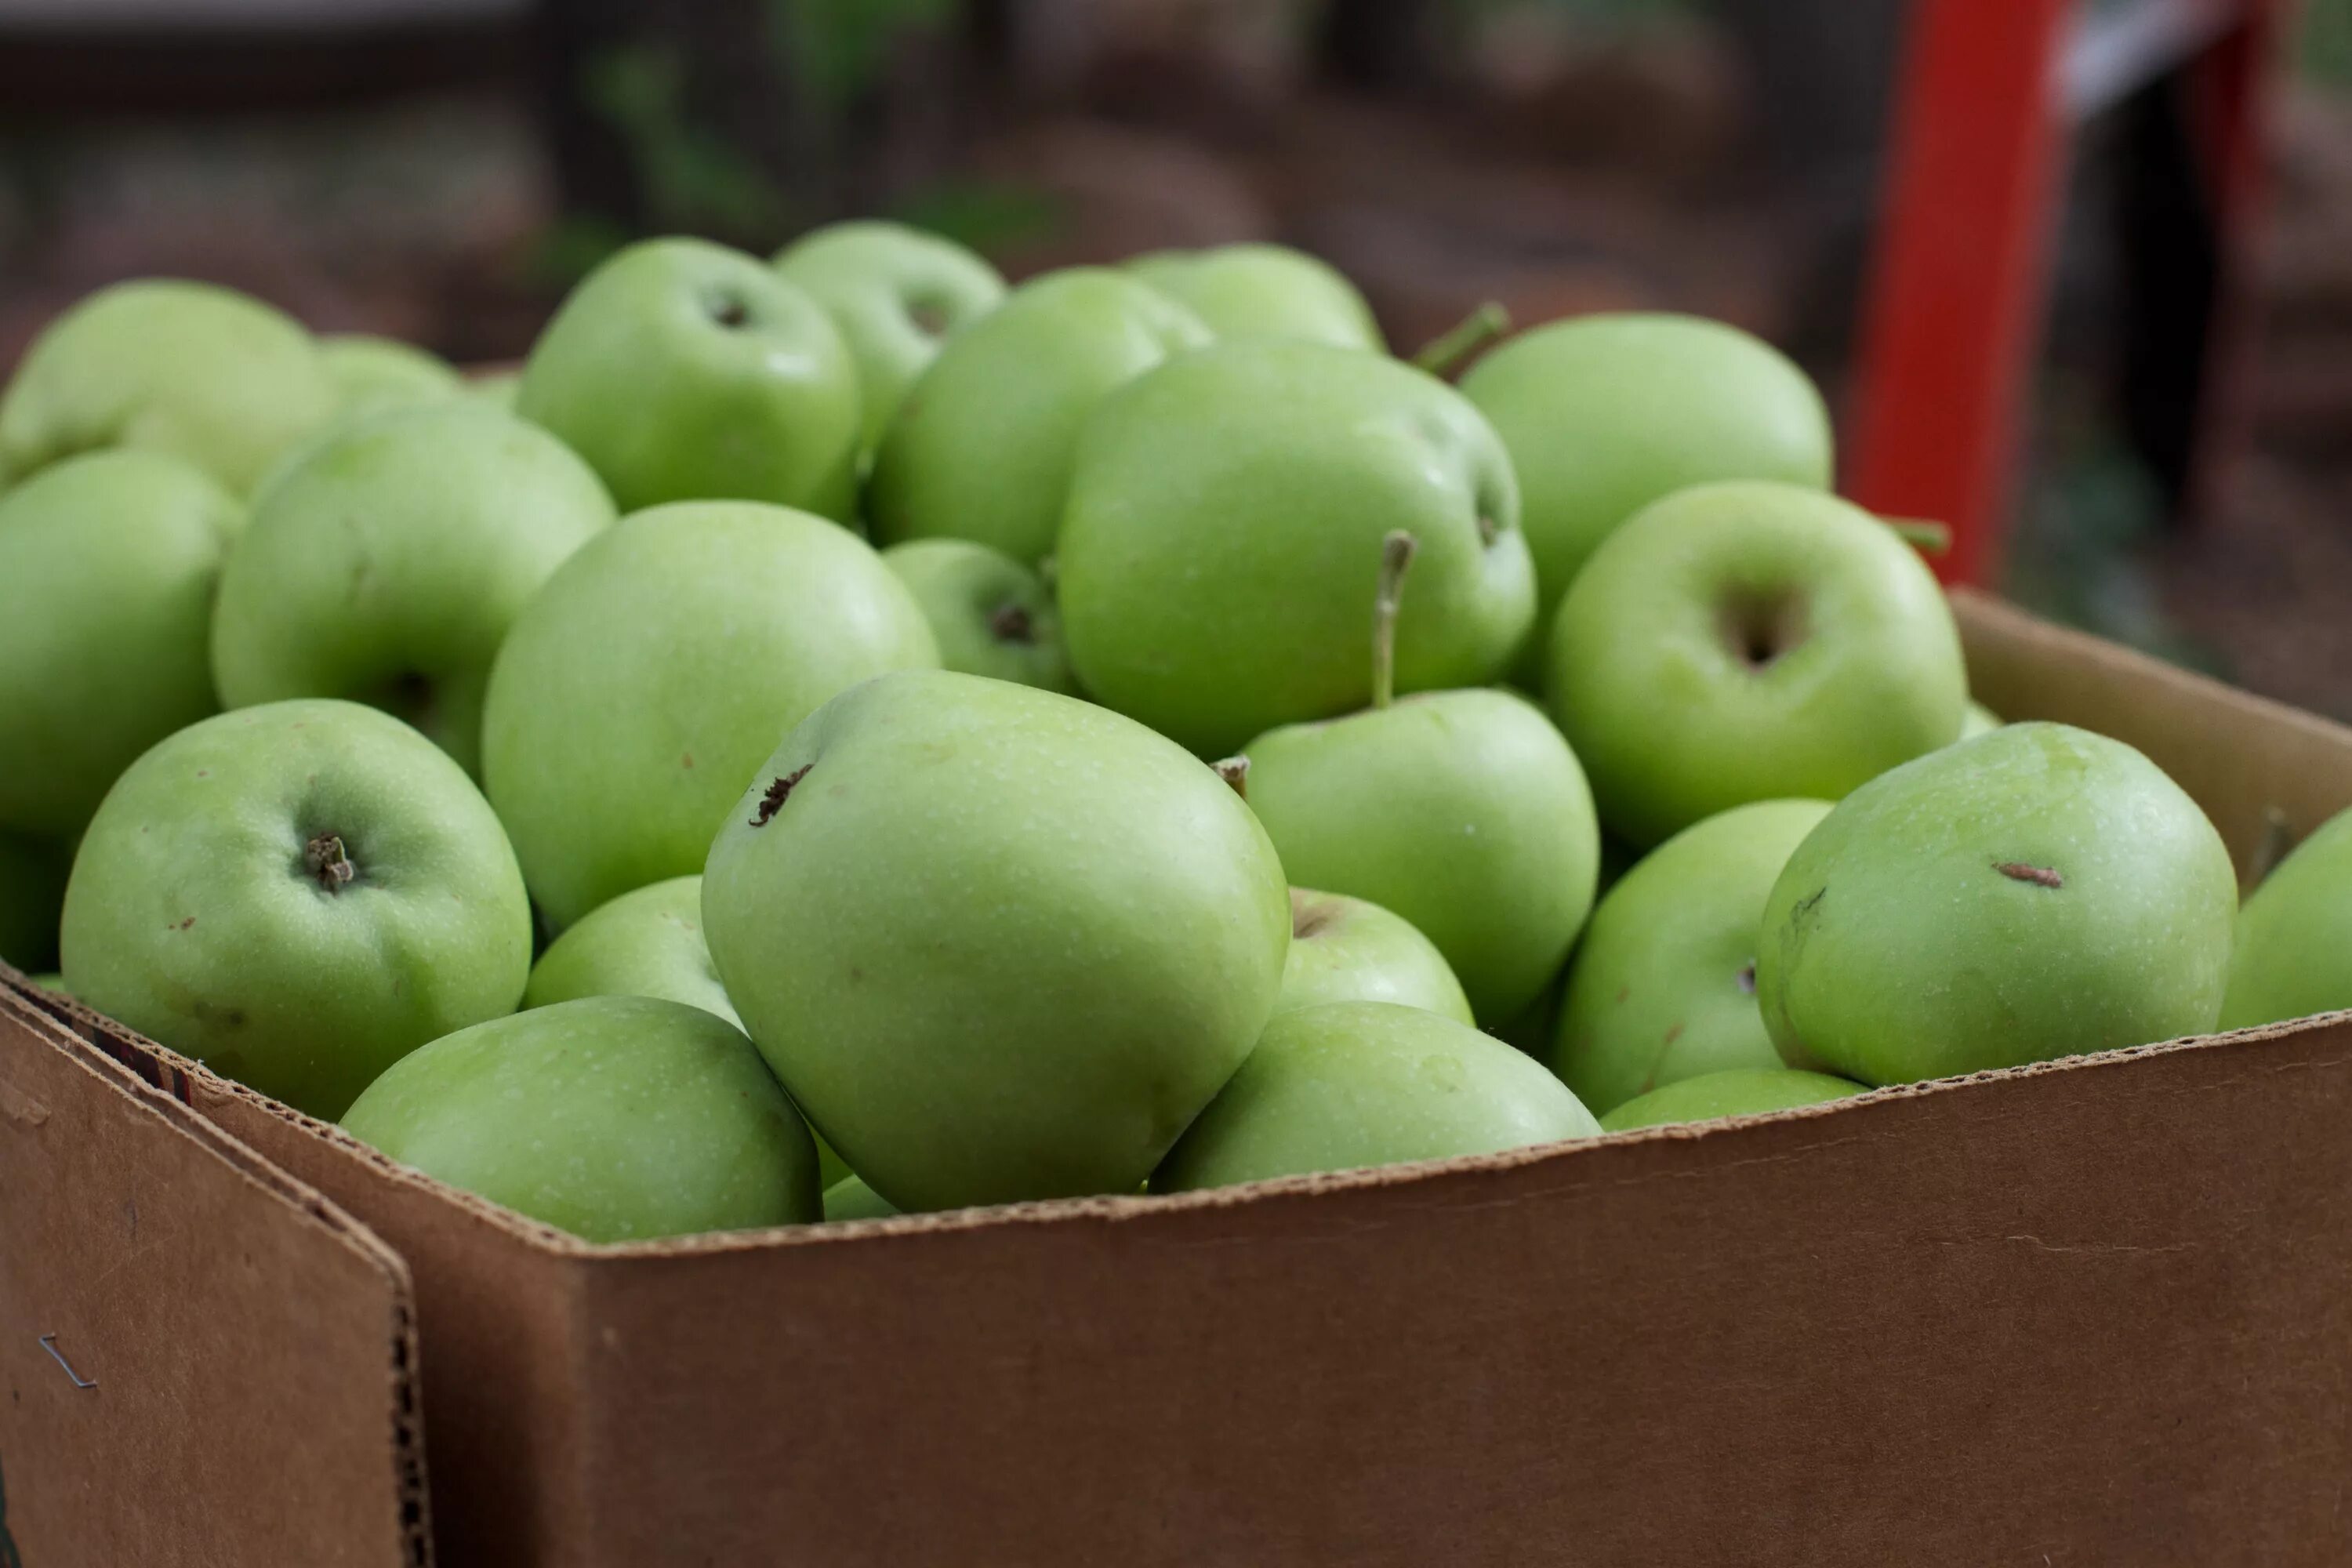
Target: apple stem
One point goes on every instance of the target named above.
(1926, 538)
(1396, 557)
(1447, 353)
(1234, 770)
(329, 864)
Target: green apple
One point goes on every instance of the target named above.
(1353, 1084)
(51, 982)
(992, 615)
(685, 371)
(202, 374)
(982, 446)
(107, 566)
(1662, 986)
(32, 892)
(2294, 950)
(646, 943)
(656, 671)
(1737, 1092)
(1749, 641)
(2037, 892)
(1605, 414)
(1264, 291)
(896, 293)
(373, 373)
(1349, 950)
(298, 895)
(1977, 720)
(851, 1198)
(1220, 555)
(613, 1118)
(387, 565)
(500, 389)
(998, 944)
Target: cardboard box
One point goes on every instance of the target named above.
(2097, 1311)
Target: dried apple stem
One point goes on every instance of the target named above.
(1926, 538)
(1396, 557)
(1444, 355)
(1234, 770)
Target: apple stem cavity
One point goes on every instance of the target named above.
(329, 863)
(929, 317)
(1748, 978)
(1450, 350)
(1934, 539)
(1011, 623)
(729, 311)
(1234, 770)
(777, 794)
(1388, 599)
(2040, 875)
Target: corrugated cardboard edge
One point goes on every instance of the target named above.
(158, 1081)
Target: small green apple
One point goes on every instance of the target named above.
(613, 1118)
(32, 892)
(202, 374)
(388, 563)
(1753, 641)
(685, 371)
(657, 668)
(1978, 720)
(500, 389)
(1605, 414)
(896, 293)
(373, 373)
(646, 943)
(1354, 1084)
(2037, 892)
(998, 944)
(1265, 291)
(981, 445)
(992, 615)
(851, 1198)
(2293, 949)
(1737, 1091)
(1349, 949)
(298, 895)
(1662, 986)
(107, 566)
(1221, 552)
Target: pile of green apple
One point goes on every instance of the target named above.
(1209, 771)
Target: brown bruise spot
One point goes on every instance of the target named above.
(1623, 991)
(778, 792)
(686, 760)
(2040, 875)
(329, 863)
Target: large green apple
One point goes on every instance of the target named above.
(685, 371)
(1463, 812)
(298, 895)
(373, 373)
(388, 563)
(2040, 891)
(992, 615)
(1349, 949)
(32, 892)
(1353, 1084)
(615, 1118)
(982, 446)
(998, 944)
(656, 671)
(896, 293)
(1221, 552)
(203, 374)
(1605, 414)
(2293, 949)
(646, 943)
(107, 566)
(1739, 1091)
(1752, 641)
(1265, 291)
(1662, 986)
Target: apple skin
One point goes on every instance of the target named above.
(107, 566)
(1736, 1091)
(2034, 893)
(1605, 414)
(1462, 812)
(1219, 558)
(992, 615)
(2292, 954)
(1662, 986)
(1265, 291)
(646, 943)
(388, 563)
(656, 671)
(686, 371)
(373, 373)
(1349, 950)
(32, 893)
(982, 446)
(896, 293)
(192, 917)
(1355, 1084)
(613, 1118)
(998, 944)
(851, 1198)
(199, 372)
(1752, 641)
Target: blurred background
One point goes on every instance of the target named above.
(442, 170)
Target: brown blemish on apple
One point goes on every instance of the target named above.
(329, 863)
(1309, 917)
(778, 792)
(686, 760)
(2040, 875)
(186, 923)
(1674, 1032)
(1622, 993)
(1011, 623)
